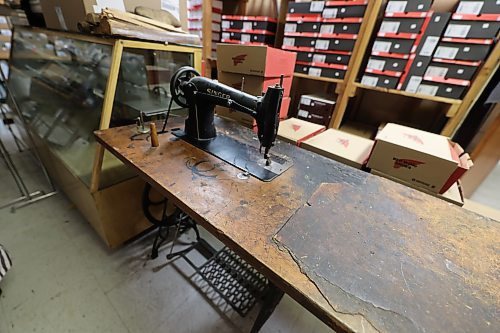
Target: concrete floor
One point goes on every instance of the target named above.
(65, 280)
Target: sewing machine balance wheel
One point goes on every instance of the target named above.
(183, 74)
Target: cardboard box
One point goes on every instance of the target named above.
(339, 9)
(299, 41)
(454, 194)
(463, 49)
(296, 131)
(247, 120)
(452, 69)
(398, 25)
(393, 45)
(386, 64)
(248, 23)
(64, 14)
(340, 146)
(316, 109)
(384, 79)
(248, 37)
(408, 6)
(421, 158)
(253, 85)
(335, 42)
(341, 26)
(312, 7)
(475, 7)
(313, 69)
(437, 86)
(303, 24)
(255, 60)
(472, 29)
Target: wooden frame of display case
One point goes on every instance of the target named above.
(115, 212)
(457, 109)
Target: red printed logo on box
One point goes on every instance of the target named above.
(239, 59)
(343, 142)
(415, 138)
(296, 127)
(404, 163)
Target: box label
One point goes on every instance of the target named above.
(6, 32)
(446, 52)
(380, 46)
(289, 41)
(376, 64)
(436, 71)
(429, 46)
(322, 44)
(227, 35)
(317, 6)
(303, 114)
(426, 89)
(245, 37)
(290, 27)
(457, 30)
(247, 25)
(225, 25)
(470, 7)
(330, 13)
(314, 71)
(369, 80)
(413, 84)
(319, 58)
(396, 6)
(327, 29)
(3, 20)
(305, 101)
(390, 27)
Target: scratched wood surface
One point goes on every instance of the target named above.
(245, 214)
(406, 268)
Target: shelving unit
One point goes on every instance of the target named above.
(456, 109)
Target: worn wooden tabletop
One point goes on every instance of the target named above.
(246, 214)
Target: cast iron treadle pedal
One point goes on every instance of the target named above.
(238, 283)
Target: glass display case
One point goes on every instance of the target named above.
(66, 86)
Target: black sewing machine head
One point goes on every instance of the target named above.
(201, 95)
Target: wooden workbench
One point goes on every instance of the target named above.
(246, 214)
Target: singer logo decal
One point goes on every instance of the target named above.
(415, 138)
(343, 142)
(296, 127)
(239, 59)
(404, 163)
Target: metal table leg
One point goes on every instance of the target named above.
(271, 301)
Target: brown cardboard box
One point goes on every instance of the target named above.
(255, 60)
(346, 148)
(64, 14)
(247, 120)
(316, 109)
(453, 195)
(253, 85)
(296, 131)
(421, 158)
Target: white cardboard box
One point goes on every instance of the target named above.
(420, 158)
(346, 148)
(296, 131)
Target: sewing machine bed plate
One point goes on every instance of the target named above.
(241, 155)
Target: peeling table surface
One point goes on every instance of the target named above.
(389, 259)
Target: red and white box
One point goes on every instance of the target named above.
(296, 131)
(423, 159)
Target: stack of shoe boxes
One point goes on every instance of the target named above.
(323, 34)
(195, 21)
(254, 30)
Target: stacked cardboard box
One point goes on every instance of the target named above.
(297, 131)
(445, 50)
(252, 69)
(316, 109)
(323, 33)
(248, 30)
(195, 21)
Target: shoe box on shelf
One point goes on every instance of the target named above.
(316, 109)
(446, 54)
(296, 131)
(257, 30)
(323, 34)
(252, 69)
(195, 21)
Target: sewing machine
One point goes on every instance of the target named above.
(201, 95)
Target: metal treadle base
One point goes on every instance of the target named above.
(238, 283)
(241, 155)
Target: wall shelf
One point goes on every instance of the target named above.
(317, 78)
